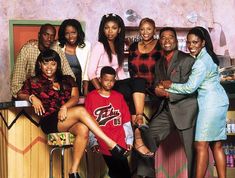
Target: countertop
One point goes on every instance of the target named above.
(24, 103)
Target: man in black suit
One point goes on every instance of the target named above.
(176, 111)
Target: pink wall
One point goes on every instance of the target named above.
(164, 12)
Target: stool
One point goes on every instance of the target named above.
(59, 141)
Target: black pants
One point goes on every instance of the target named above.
(118, 168)
(159, 128)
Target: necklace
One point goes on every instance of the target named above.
(56, 86)
(146, 44)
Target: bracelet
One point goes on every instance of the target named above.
(30, 98)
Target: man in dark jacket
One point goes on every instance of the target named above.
(176, 111)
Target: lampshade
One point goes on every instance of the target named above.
(222, 40)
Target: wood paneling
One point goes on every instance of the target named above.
(25, 153)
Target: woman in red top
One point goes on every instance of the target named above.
(144, 54)
(141, 64)
(54, 98)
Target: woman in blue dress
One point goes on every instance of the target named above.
(212, 101)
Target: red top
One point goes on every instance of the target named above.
(168, 58)
(110, 113)
(51, 99)
(143, 64)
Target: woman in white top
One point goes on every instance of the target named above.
(71, 39)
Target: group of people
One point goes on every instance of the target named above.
(52, 75)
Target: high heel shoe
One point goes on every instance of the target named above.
(144, 152)
(118, 151)
(147, 154)
(74, 175)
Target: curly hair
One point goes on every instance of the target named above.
(77, 25)
(118, 42)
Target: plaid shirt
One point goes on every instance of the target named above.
(25, 65)
(143, 64)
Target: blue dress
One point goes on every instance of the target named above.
(212, 98)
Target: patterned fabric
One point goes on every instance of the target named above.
(143, 64)
(25, 64)
(60, 139)
(111, 113)
(51, 99)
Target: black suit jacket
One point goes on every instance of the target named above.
(183, 107)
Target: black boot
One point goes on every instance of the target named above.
(74, 175)
(117, 151)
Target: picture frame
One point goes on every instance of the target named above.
(21, 31)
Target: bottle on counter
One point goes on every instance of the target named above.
(231, 153)
(229, 126)
(232, 125)
(226, 152)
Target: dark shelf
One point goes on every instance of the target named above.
(229, 87)
(136, 28)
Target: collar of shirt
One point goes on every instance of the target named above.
(169, 56)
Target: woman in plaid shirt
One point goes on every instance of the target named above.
(54, 97)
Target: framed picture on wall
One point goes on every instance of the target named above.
(22, 31)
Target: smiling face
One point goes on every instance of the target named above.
(194, 44)
(147, 31)
(111, 30)
(168, 41)
(71, 35)
(49, 69)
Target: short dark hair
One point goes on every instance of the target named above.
(107, 70)
(172, 30)
(46, 56)
(45, 26)
(167, 29)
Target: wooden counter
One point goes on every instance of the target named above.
(171, 160)
(24, 151)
